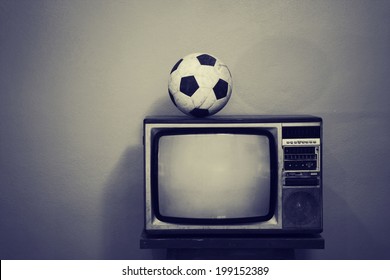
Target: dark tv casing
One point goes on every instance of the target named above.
(296, 177)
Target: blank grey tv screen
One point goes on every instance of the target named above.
(214, 176)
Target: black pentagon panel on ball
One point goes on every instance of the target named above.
(188, 85)
(221, 89)
(171, 96)
(176, 65)
(205, 59)
(200, 112)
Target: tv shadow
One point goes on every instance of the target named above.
(123, 214)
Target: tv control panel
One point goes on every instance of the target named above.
(301, 156)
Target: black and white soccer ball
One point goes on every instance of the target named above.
(200, 84)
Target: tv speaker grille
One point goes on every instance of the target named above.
(302, 208)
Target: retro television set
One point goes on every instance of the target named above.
(233, 174)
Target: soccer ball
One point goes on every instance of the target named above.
(200, 85)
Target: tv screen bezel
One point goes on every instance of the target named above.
(158, 133)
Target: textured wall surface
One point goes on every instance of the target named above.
(78, 77)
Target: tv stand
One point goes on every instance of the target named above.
(231, 246)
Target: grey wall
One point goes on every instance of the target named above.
(78, 77)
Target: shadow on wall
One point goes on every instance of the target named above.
(123, 202)
(123, 210)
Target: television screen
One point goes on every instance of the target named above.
(224, 176)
